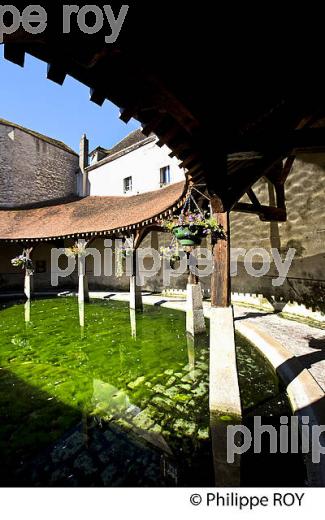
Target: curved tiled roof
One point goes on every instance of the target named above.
(89, 216)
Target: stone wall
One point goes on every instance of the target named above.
(33, 170)
(304, 231)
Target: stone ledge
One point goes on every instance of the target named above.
(305, 395)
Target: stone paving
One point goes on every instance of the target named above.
(302, 340)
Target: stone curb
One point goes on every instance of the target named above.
(305, 395)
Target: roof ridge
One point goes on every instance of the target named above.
(38, 135)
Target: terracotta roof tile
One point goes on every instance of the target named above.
(91, 214)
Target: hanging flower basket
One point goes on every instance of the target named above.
(189, 235)
(191, 227)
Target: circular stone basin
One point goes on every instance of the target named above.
(121, 400)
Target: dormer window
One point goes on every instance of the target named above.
(127, 184)
(164, 176)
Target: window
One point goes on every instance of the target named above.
(164, 175)
(127, 184)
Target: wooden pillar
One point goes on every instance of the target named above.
(83, 291)
(224, 388)
(220, 279)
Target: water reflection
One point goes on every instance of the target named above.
(27, 311)
(195, 346)
(226, 473)
(191, 341)
(81, 307)
(133, 323)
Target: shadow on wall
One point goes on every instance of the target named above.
(303, 231)
(300, 287)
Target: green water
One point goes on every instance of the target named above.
(138, 374)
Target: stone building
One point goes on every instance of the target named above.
(34, 168)
(42, 199)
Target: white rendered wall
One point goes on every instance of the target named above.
(143, 165)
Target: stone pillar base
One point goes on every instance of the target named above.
(224, 387)
(195, 323)
(135, 295)
(83, 292)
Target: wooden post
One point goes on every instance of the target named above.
(220, 279)
(224, 388)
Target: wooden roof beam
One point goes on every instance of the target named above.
(55, 73)
(169, 135)
(14, 53)
(265, 213)
(126, 114)
(151, 126)
(97, 97)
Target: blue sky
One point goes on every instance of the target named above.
(64, 113)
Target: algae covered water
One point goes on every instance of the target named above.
(100, 395)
